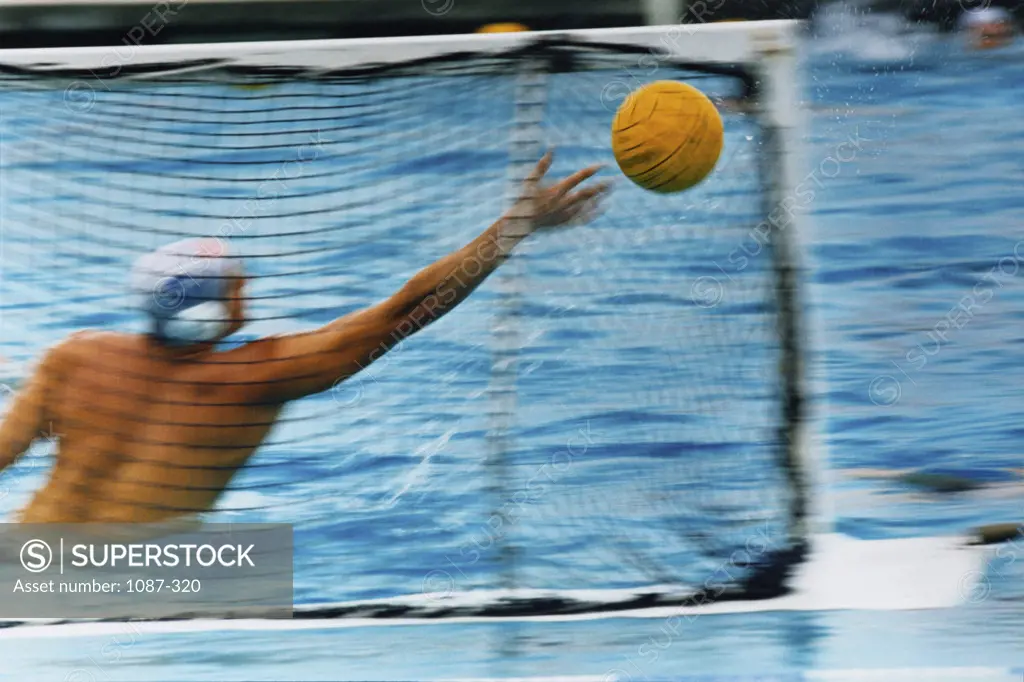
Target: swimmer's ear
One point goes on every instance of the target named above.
(235, 299)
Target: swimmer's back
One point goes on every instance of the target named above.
(143, 435)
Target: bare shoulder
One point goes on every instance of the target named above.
(92, 338)
(247, 369)
(92, 347)
(70, 348)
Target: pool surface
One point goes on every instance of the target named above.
(918, 297)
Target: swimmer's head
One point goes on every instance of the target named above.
(987, 27)
(190, 291)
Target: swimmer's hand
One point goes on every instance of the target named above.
(543, 206)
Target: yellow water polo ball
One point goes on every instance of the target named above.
(503, 27)
(667, 136)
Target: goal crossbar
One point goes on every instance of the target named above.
(725, 43)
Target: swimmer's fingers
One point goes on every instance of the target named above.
(584, 205)
(569, 183)
(579, 212)
(587, 212)
(595, 192)
(541, 169)
(557, 205)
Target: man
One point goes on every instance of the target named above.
(151, 428)
(987, 27)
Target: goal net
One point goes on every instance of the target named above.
(613, 420)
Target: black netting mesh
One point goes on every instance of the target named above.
(644, 448)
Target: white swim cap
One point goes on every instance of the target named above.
(181, 288)
(982, 16)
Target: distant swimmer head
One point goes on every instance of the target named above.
(987, 27)
(190, 291)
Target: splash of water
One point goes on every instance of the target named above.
(853, 30)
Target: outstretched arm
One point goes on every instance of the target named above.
(293, 366)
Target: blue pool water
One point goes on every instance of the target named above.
(927, 212)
